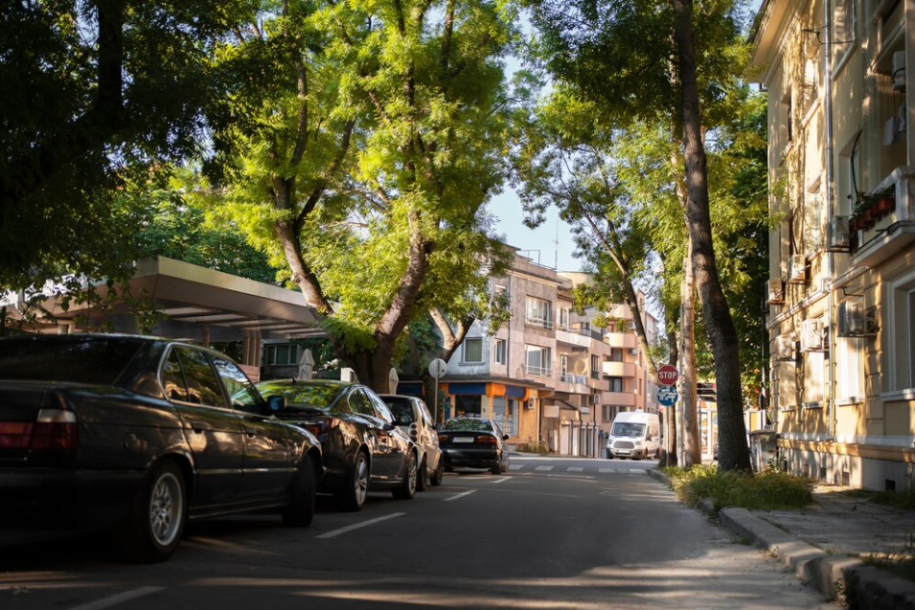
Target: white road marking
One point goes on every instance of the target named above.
(120, 598)
(356, 526)
(605, 470)
(461, 495)
(575, 469)
(515, 466)
(637, 470)
(547, 468)
(502, 480)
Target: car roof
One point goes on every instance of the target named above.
(304, 382)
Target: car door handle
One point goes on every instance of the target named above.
(250, 431)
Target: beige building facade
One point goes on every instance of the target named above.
(841, 290)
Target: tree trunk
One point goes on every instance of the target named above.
(733, 453)
(692, 449)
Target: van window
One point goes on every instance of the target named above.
(627, 429)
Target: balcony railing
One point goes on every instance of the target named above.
(570, 378)
(538, 322)
(538, 371)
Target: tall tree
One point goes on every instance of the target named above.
(619, 52)
(359, 144)
(93, 88)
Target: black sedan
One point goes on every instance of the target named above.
(473, 443)
(363, 449)
(143, 434)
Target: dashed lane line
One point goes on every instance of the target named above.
(120, 598)
(575, 469)
(355, 526)
(544, 468)
(460, 495)
(502, 480)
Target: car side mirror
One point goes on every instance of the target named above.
(389, 426)
(276, 404)
(504, 437)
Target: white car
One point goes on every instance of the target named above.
(412, 416)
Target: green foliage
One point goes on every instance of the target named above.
(904, 499)
(900, 563)
(93, 92)
(770, 490)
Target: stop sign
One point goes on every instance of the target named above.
(667, 374)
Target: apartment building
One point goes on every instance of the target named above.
(548, 369)
(841, 293)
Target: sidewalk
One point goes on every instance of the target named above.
(821, 543)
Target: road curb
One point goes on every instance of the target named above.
(864, 586)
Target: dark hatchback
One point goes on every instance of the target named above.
(473, 443)
(362, 447)
(143, 434)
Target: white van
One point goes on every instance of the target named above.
(635, 434)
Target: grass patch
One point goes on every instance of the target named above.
(769, 490)
(902, 564)
(904, 499)
(533, 447)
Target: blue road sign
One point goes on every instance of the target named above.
(667, 395)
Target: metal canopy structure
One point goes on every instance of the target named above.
(201, 305)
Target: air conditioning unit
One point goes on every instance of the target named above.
(812, 335)
(855, 321)
(785, 348)
(775, 292)
(838, 237)
(595, 399)
(797, 272)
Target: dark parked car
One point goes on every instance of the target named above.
(473, 443)
(362, 447)
(143, 434)
(412, 416)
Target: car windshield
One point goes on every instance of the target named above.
(311, 395)
(626, 429)
(93, 360)
(468, 425)
(401, 408)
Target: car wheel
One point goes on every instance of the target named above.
(422, 477)
(436, 479)
(301, 508)
(609, 455)
(407, 488)
(497, 469)
(155, 522)
(351, 497)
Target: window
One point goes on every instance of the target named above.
(595, 367)
(616, 355)
(537, 360)
(902, 334)
(616, 384)
(563, 367)
(360, 403)
(814, 378)
(564, 318)
(282, 354)
(500, 351)
(842, 41)
(849, 179)
(473, 349)
(203, 387)
(788, 116)
(851, 367)
(240, 389)
(173, 379)
(608, 412)
(380, 410)
(538, 313)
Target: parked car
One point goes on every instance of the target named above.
(634, 434)
(412, 416)
(363, 449)
(141, 433)
(473, 443)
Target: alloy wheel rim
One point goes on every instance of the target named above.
(361, 479)
(165, 508)
(411, 473)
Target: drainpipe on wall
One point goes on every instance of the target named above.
(830, 212)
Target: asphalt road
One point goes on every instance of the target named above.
(552, 533)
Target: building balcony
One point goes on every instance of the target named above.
(617, 399)
(619, 369)
(538, 371)
(538, 322)
(888, 225)
(620, 340)
(573, 384)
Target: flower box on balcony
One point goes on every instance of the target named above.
(871, 208)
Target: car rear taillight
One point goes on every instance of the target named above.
(15, 434)
(320, 425)
(444, 438)
(485, 439)
(55, 429)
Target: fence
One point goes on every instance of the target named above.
(577, 439)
